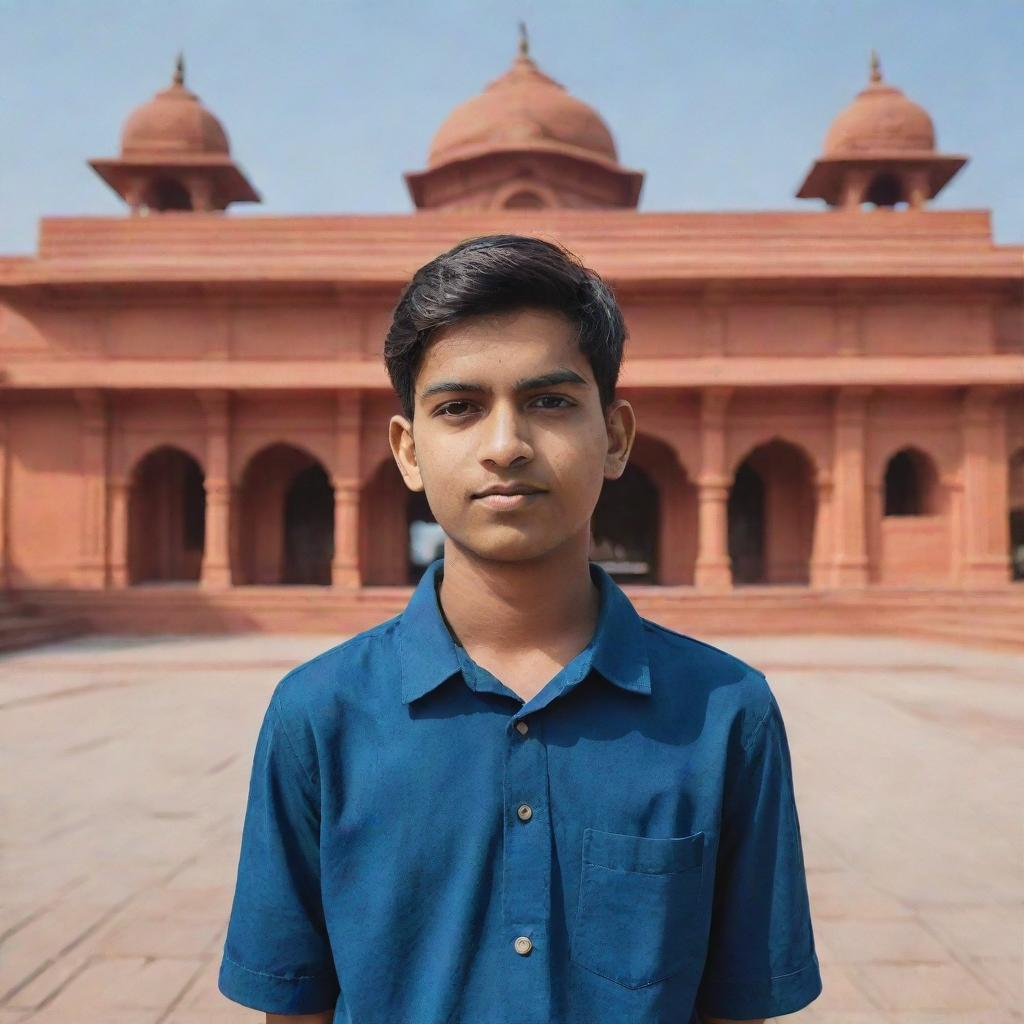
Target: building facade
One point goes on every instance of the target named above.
(193, 431)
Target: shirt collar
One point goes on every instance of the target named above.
(429, 655)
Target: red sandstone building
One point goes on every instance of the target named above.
(831, 401)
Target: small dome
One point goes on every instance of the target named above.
(523, 108)
(880, 120)
(173, 121)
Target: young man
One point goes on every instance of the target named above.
(518, 802)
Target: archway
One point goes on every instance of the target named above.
(1016, 507)
(166, 517)
(309, 527)
(625, 527)
(885, 190)
(286, 518)
(915, 537)
(746, 516)
(910, 484)
(644, 525)
(168, 194)
(772, 511)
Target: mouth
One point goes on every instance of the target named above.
(503, 503)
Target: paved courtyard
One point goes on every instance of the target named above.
(125, 765)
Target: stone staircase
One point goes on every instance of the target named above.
(996, 627)
(24, 625)
(992, 618)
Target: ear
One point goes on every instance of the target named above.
(403, 447)
(621, 423)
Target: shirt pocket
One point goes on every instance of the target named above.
(638, 918)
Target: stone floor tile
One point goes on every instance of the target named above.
(840, 992)
(231, 1014)
(924, 987)
(155, 935)
(844, 894)
(43, 939)
(122, 985)
(979, 931)
(952, 1017)
(45, 979)
(857, 941)
(1003, 976)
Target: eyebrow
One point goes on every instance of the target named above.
(545, 380)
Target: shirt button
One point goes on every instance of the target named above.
(523, 728)
(523, 945)
(525, 812)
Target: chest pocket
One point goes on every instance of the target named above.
(638, 918)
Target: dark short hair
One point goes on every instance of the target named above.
(501, 273)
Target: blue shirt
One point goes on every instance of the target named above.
(421, 846)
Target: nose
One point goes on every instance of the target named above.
(505, 438)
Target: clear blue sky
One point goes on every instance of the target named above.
(723, 103)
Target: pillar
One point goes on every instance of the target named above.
(117, 503)
(821, 554)
(200, 191)
(216, 570)
(345, 567)
(135, 190)
(93, 460)
(849, 442)
(916, 186)
(713, 570)
(983, 538)
(853, 188)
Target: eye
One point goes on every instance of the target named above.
(452, 410)
(555, 398)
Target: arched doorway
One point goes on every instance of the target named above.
(166, 518)
(644, 527)
(915, 535)
(772, 511)
(1016, 506)
(910, 485)
(286, 518)
(747, 523)
(625, 527)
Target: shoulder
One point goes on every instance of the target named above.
(312, 697)
(325, 673)
(735, 691)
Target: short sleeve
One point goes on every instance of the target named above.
(761, 958)
(277, 957)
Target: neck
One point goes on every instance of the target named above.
(510, 607)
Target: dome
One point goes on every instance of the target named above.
(880, 120)
(523, 109)
(173, 121)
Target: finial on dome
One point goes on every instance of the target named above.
(524, 42)
(179, 69)
(876, 67)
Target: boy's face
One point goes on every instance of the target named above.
(485, 416)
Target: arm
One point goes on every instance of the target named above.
(307, 1018)
(761, 961)
(277, 955)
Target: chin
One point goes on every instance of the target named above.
(508, 546)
